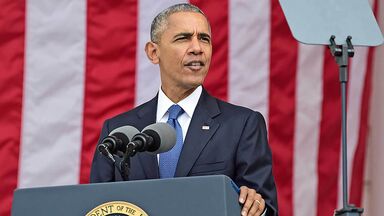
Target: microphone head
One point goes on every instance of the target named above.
(164, 137)
(125, 134)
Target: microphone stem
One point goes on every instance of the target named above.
(104, 150)
(125, 164)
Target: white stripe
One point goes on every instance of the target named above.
(249, 31)
(148, 75)
(356, 80)
(309, 96)
(53, 93)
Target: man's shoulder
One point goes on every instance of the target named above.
(132, 112)
(133, 115)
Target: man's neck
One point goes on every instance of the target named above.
(176, 94)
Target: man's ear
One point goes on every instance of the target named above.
(152, 52)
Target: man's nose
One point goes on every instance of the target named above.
(195, 46)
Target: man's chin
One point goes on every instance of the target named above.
(192, 86)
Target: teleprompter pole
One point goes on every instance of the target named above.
(342, 53)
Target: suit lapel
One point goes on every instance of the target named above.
(146, 116)
(200, 131)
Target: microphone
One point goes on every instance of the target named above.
(155, 138)
(117, 140)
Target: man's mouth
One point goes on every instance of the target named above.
(195, 65)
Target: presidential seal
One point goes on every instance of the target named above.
(117, 208)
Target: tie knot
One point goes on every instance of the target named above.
(175, 111)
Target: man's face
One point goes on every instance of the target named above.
(184, 51)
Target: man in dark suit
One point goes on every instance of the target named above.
(214, 137)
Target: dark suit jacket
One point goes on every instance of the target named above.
(235, 145)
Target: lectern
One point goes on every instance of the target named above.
(187, 196)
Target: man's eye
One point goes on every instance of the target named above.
(205, 39)
(181, 38)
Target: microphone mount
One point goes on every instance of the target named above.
(140, 142)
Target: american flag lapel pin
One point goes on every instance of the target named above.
(205, 127)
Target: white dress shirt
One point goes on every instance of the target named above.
(188, 104)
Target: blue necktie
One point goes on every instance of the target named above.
(168, 160)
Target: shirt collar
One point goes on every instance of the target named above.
(188, 104)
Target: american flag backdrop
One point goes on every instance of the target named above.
(67, 65)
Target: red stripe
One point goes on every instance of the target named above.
(330, 139)
(282, 92)
(110, 69)
(12, 26)
(357, 179)
(216, 81)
